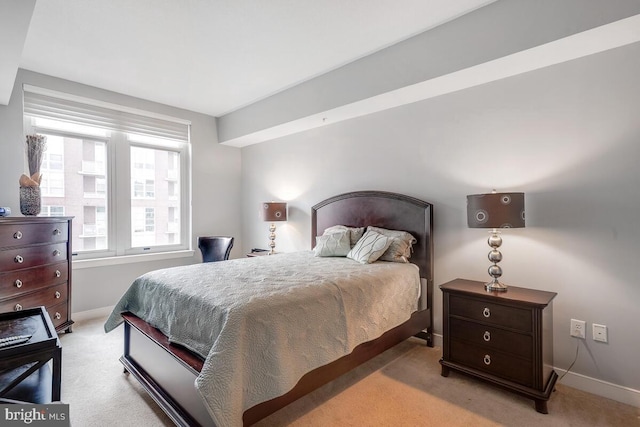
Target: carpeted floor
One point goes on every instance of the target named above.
(401, 387)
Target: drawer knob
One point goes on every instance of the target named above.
(18, 283)
(56, 252)
(57, 316)
(58, 274)
(56, 232)
(487, 336)
(19, 259)
(17, 235)
(17, 307)
(487, 359)
(58, 295)
(486, 312)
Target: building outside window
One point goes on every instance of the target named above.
(48, 210)
(52, 168)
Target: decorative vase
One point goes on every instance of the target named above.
(30, 200)
(30, 185)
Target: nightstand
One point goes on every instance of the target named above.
(505, 338)
(259, 252)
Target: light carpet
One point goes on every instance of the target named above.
(401, 387)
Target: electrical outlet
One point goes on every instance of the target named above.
(600, 333)
(578, 328)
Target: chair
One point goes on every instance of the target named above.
(215, 248)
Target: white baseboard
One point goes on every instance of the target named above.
(601, 388)
(92, 314)
(437, 340)
(590, 385)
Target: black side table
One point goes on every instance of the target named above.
(24, 370)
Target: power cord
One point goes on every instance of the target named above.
(572, 363)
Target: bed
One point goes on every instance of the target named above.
(168, 372)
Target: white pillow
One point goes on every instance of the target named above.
(333, 244)
(400, 248)
(355, 233)
(369, 248)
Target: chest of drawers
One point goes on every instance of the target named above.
(505, 338)
(35, 266)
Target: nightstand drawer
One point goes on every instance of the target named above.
(493, 362)
(492, 338)
(496, 314)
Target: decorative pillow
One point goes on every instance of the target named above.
(400, 248)
(355, 233)
(369, 248)
(334, 244)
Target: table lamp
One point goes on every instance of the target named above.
(495, 211)
(272, 212)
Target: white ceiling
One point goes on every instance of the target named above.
(215, 56)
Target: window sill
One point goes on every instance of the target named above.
(128, 259)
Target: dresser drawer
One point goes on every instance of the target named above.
(492, 338)
(58, 314)
(28, 280)
(18, 258)
(487, 312)
(493, 362)
(50, 296)
(21, 234)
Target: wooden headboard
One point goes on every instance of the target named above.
(382, 209)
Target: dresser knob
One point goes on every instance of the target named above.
(56, 252)
(18, 307)
(58, 295)
(17, 235)
(487, 359)
(19, 259)
(56, 232)
(487, 336)
(58, 274)
(18, 283)
(486, 312)
(57, 316)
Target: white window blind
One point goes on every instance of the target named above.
(39, 103)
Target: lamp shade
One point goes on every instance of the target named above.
(495, 210)
(274, 211)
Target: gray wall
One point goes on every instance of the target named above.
(568, 136)
(215, 185)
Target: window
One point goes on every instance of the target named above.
(52, 210)
(122, 174)
(52, 168)
(144, 226)
(143, 188)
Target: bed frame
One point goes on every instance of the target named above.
(168, 372)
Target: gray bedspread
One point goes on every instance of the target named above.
(261, 323)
